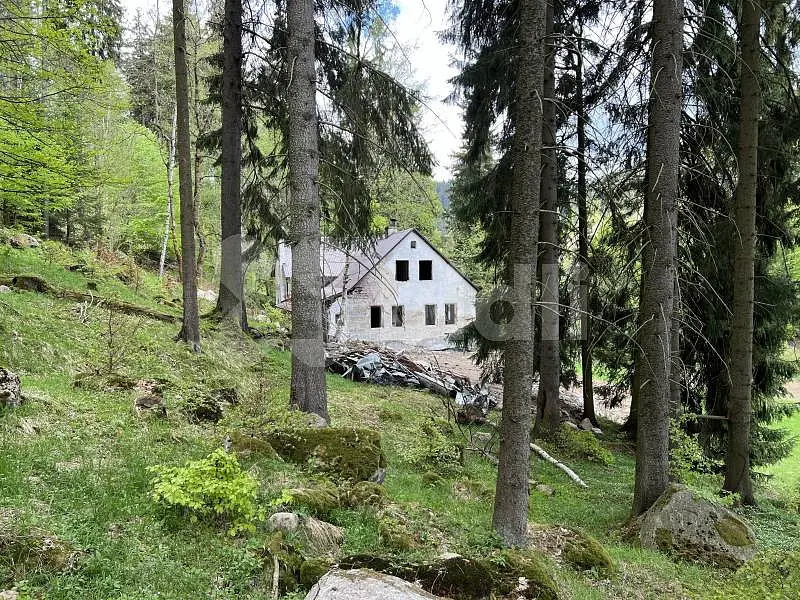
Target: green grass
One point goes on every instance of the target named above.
(786, 473)
(83, 476)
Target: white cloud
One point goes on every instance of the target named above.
(416, 28)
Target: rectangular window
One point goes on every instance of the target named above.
(375, 317)
(430, 314)
(425, 270)
(401, 270)
(413, 243)
(398, 316)
(449, 314)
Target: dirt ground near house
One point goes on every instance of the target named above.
(460, 363)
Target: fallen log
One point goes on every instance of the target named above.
(570, 473)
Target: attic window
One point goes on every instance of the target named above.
(413, 243)
(401, 270)
(398, 316)
(425, 270)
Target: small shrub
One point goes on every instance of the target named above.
(581, 445)
(213, 487)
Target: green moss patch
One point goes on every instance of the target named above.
(733, 531)
(585, 553)
(348, 453)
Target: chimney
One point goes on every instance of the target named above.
(392, 228)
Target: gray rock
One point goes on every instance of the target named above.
(286, 522)
(10, 391)
(364, 584)
(150, 404)
(570, 424)
(597, 431)
(696, 529)
(314, 421)
(4, 289)
(545, 489)
(23, 240)
(586, 425)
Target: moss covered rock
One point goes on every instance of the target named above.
(321, 498)
(312, 570)
(695, 529)
(348, 453)
(585, 553)
(507, 573)
(523, 573)
(366, 493)
(247, 445)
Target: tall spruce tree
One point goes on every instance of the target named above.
(658, 253)
(308, 391)
(231, 301)
(190, 331)
(548, 413)
(510, 514)
(737, 460)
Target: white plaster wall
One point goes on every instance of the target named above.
(380, 288)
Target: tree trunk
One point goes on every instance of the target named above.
(198, 156)
(230, 301)
(169, 217)
(658, 262)
(583, 240)
(308, 390)
(548, 409)
(676, 365)
(190, 332)
(737, 458)
(511, 498)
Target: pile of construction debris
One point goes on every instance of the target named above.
(372, 364)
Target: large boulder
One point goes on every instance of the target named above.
(364, 584)
(343, 452)
(23, 240)
(696, 529)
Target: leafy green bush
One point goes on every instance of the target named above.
(581, 444)
(213, 487)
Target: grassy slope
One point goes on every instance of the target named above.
(84, 475)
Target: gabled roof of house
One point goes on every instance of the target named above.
(362, 264)
(345, 269)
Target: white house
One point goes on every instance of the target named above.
(401, 289)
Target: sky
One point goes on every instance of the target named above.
(416, 28)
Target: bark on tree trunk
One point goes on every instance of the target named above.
(308, 390)
(583, 241)
(737, 458)
(230, 301)
(511, 498)
(658, 268)
(169, 217)
(190, 332)
(198, 157)
(548, 409)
